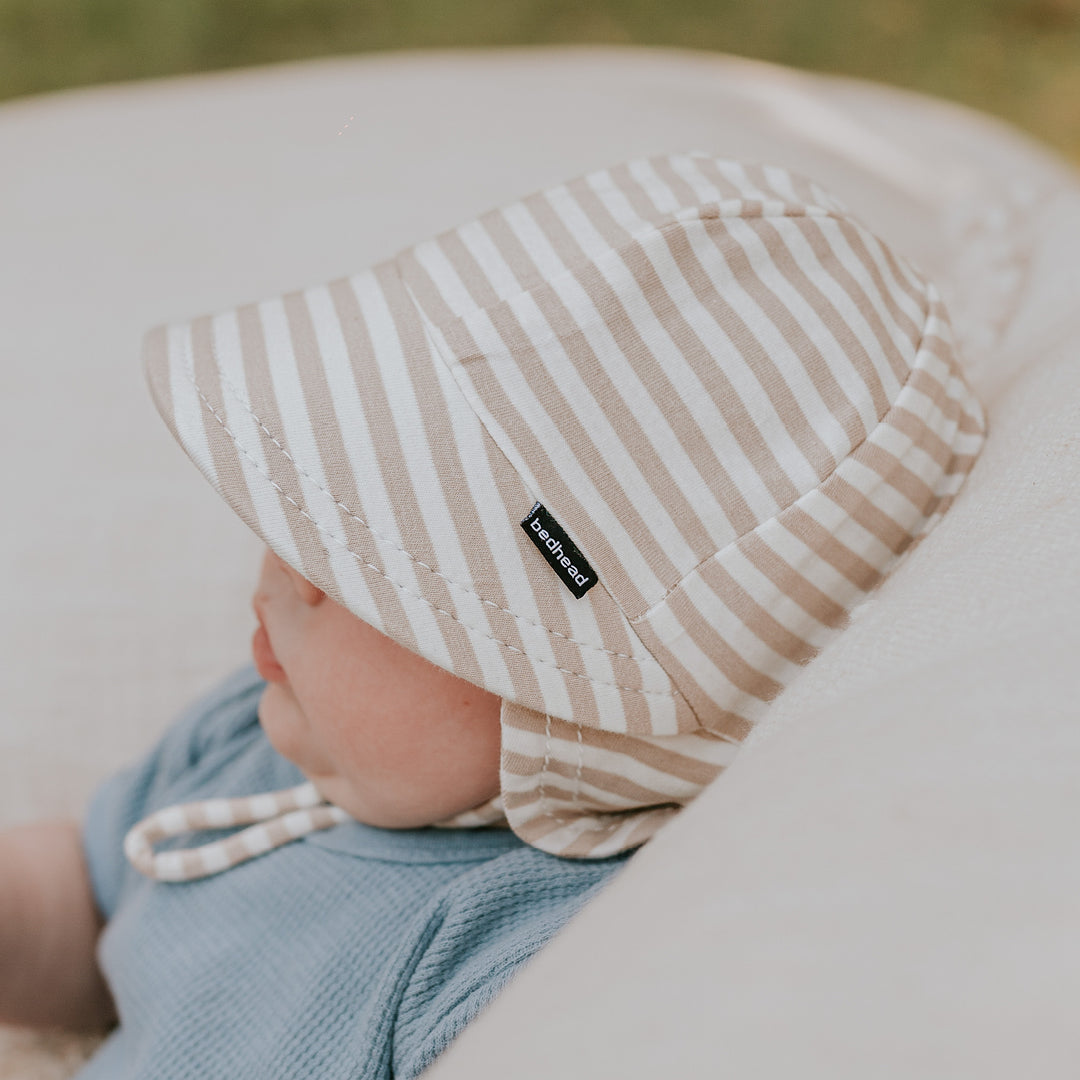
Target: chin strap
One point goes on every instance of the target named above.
(282, 816)
(275, 818)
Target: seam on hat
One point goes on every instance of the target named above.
(375, 532)
(671, 694)
(931, 293)
(734, 209)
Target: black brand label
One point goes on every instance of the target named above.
(560, 551)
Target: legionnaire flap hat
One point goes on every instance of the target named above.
(625, 452)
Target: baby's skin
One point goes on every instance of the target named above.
(389, 737)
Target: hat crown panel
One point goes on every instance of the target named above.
(665, 395)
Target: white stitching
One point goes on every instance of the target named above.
(548, 812)
(374, 532)
(402, 588)
(580, 764)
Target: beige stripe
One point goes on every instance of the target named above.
(862, 574)
(803, 432)
(923, 381)
(779, 638)
(820, 236)
(561, 239)
(873, 310)
(861, 510)
(545, 601)
(837, 224)
(403, 454)
(724, 394)
(738, 670)
(656, 379)
(821, 307)
(656, 757)
(915, 428)
(683, 192)
(516, 336)
(465, 266)
(223, 447)
(898, 476)
(632, 830)
(390, 459)
(611, 630)
(314, 564)
(598, 214)
(720, 389)
(648, 825)
(618, 786)
(711, 712)
(557, 495)
(529, 263)
(559, 802)
(807, 191)
(596, 446)
(340, 478)
(722, 232)
(603, 379)
(864, 246)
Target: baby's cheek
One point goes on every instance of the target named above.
(282, 724)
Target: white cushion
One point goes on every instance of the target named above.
(885, 882)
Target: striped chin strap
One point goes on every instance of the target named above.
(274, 818)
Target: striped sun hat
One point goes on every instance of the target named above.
(625, 452)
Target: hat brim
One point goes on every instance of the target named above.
(330, 424)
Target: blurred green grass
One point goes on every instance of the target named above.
(1019, 59)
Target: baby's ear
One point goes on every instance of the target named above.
(310, 594)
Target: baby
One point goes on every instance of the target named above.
(555, 505)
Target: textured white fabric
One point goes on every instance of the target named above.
(884, 883)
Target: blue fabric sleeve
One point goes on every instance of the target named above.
(127, 796)
(491, 928)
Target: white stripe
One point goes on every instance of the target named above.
(625, 763)
(214, 858)
(218, 812)
(637, 399)
(256, 840)
(713, 682)
(496, 527)
(832, 353)
(319, 502)
(592, 416)
(687, 383)
(265, 498)
(172, 820)
(477, 241)
(261, 807)
(419, 462)
(835, 521)
(845, 307)
(727, 627)
(375, 510)
(776, 603)
(840, 244)
(452, 289)
(189, 413)
(580, 226)
(520, 393)
(882, 495)
(533, 238)
(742, 373)
(169, 866)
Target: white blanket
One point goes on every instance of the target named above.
(886, 882)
